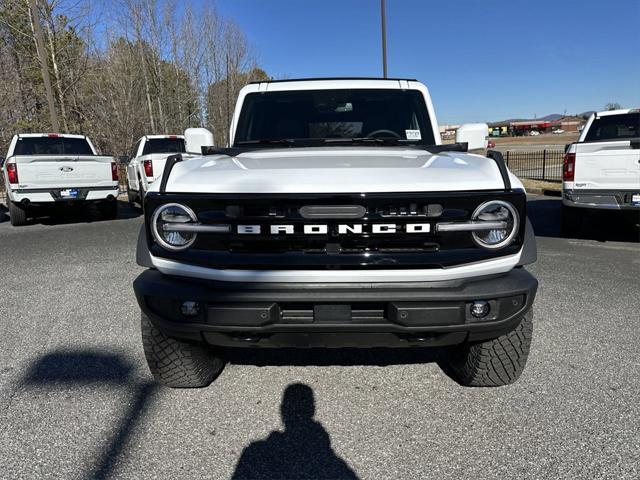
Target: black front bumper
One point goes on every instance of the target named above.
(335, 315)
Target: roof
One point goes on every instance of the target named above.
(312, 79)
(617, 112)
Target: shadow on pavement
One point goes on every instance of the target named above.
(302, 450)
(68, 369)
(70, 214)
(545, 215)
(332, 356)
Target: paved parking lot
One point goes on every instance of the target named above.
(77, 401)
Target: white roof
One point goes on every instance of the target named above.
(616, 112)
(66, 135)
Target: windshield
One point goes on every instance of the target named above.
(614, 127)
(340, 116)
(52, 146)
(163, 145)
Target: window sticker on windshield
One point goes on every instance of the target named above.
(413, 134)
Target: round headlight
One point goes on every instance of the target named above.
(166, 226)
(500, 213)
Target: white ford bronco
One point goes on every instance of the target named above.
(602, 169)
(47, 169)
(335, 218)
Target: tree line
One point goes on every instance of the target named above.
(119, 71)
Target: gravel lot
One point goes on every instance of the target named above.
(77, 401)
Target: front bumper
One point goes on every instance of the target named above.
(335, 315)
(601, 199)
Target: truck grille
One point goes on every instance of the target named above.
(343, 230)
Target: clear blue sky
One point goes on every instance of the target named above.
(482, 60)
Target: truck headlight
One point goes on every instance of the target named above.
(165, 226)
(496, 211)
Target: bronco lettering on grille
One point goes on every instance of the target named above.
(340, 229)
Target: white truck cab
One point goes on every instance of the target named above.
(147, 162)
(44, 169)
(602, 169)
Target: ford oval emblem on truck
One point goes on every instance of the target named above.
(66, 169)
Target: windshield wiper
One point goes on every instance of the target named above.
(266, 141)
(380, 141)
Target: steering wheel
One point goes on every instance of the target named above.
(378, 132)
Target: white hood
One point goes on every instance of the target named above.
(336, 170)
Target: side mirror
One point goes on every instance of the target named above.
(196, 138)
(476, 135)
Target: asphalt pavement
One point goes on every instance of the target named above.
(77, 400)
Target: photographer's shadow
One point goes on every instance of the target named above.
(302, 450)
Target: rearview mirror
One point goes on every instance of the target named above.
(474, 134)
(196, 138)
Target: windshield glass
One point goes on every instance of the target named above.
(52, 146)
(163, 145)
(614, 127)
(335, 115)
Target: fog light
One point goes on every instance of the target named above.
(190, 309)
(480, 308)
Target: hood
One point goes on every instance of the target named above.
(335, 170)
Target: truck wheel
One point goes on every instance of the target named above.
(177, 363)
(492, 363)
(131, 197)
(108, 210)
(17, 214)
(571, 222)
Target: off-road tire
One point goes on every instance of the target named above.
(491, 363)
(177, 363)
(108, 210)
(570, 221)
(17, 214)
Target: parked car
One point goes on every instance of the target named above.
(340, 220)
(45, 169)
(559, 131)
(602, 169)
(534, 133)
(147, 161)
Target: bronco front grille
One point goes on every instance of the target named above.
(393, 231)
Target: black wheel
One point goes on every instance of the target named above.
(571, 221)
(17, 214)
(131, 197)
(177, 363)
(109, 209)
(492, 363)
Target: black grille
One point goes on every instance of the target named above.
(334, 249)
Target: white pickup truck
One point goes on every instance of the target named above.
(336, 218)
(147, 162)
(46, 169)
(602, 169)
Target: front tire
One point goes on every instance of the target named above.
(17, 214)
(177, 363)
(492, 363)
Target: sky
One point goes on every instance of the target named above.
(481, 60)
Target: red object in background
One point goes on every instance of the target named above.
(148, 168)
(114, 172)
(12, 172)
(569, 167)
(491, 144)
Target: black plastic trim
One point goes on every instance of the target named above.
(143, 258)
(168, 166)
(496, 156)
(529, 249)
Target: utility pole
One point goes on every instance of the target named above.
(384, 38)
(42, 55)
